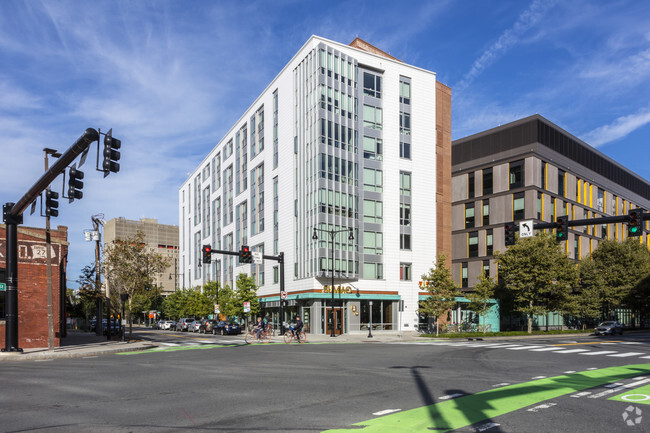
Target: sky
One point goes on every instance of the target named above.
(170, 77)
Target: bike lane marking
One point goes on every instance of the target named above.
(638, 395)
(486, 405)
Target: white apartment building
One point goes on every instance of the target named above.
(345, 139)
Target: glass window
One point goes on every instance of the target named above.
(405, 214)
(404, 92)
(372, 242)
(470, 185)
(518, 206)
(373, 271)
(405, 271)
(372, 117)
(404, 241)
(372, 180)
(560, 182)
(371, 85)
(486, 213)
(372, 148)
(539, 205)
(405, 183)
(469, 215)
(486, 267)
(405, 123)
(489, 249)
(487, 181)
(404, 150)
(472, 244)
(372, 211)
(516, 174)
(463, 274)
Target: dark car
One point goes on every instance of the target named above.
(207, 326)
(610, 327)
(227, 328)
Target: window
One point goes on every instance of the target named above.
(486, 268)
(539, 205)
(373, 242)
(603, 231)
(404, 241)
(405, 271)
(560, 183)
(518, 206)
(600, 201)
(404, 123)
(489, 248)
(463, 274)
(487, 181)
(405, 214)
(372, 148)
(472, 244)
(404, 91)
(469, 215)
(371, 85)
(372, 180)
(516, 174)
(486, 213)
(372, 211)
(543, 184)
(470, 185)
(276, 274)
(372, 117)
(373, 271)
(404, 150)
(405, 183)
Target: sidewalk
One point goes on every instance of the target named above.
(77, 345)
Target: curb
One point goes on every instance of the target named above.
(41, 356)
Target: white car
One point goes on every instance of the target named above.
(165, 325)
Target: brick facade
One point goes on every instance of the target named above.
(32, 284)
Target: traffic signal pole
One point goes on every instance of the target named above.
(13, 216)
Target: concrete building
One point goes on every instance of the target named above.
(32, 285)
(161, 238)
(346, 138)
(531, 169)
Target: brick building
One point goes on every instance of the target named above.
(32, 285)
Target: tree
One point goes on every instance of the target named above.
(130, 267)
(442, 290)
(227, 304)
(622, 266)
(246, 291)
(87, 294)
(536, 276)
(586, 302)
(173, 306)
(479, 299)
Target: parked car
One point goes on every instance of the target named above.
(194, 326)
(207, 326)
(172, 325)
(610, 327)
(158, 324)
(165, 325)
(229, 328)
(182, 324)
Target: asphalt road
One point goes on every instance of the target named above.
(193, 383)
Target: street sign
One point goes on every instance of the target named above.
(3, 287)
(283, 295)
(526, 229)
(247, 307)
(216, 309)
(257, 257)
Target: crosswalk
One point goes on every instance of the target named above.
(561, 349)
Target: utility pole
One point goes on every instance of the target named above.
(48, 264)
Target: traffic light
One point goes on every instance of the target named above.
(111, 155)
(562, 228)
(74, 183)
(510, 233)
(51, 203)
(207, 254)
(635, 223)
(245, 255)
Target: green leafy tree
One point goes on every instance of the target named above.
(536, 276)
(586, 302)
(84, 303)
(130, 267)
(227, 304)
(174, 305)
(442, 291)
(622, 266)
(480, 298)
(246, 291)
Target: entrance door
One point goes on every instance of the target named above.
(338, 321)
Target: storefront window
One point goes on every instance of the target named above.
(382, 315)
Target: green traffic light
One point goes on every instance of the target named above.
(634, 229)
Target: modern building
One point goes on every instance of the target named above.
(32, 285)
(531, 169)
(345, 139)
(161, 238)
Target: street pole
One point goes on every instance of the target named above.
(282, 301)
(48, 264)
(370, 323)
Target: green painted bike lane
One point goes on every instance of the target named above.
(487, 405)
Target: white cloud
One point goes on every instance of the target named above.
(618, 129)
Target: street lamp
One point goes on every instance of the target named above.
(370, 323)
(332, 234)
(176, 274)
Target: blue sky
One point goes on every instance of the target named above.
(171, 77)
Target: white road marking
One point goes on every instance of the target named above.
(645, 357)
(572, 351)
(546, 349)
(602, 352)
(450, 396)
(619, 388)
(590, 368)
(541, 406)
(539, 377)
(581, 394)
(501, 384)
(386, 411)
(613, 385)
(627, 354)
(523, 347)
(631, 342)
(569, 372)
